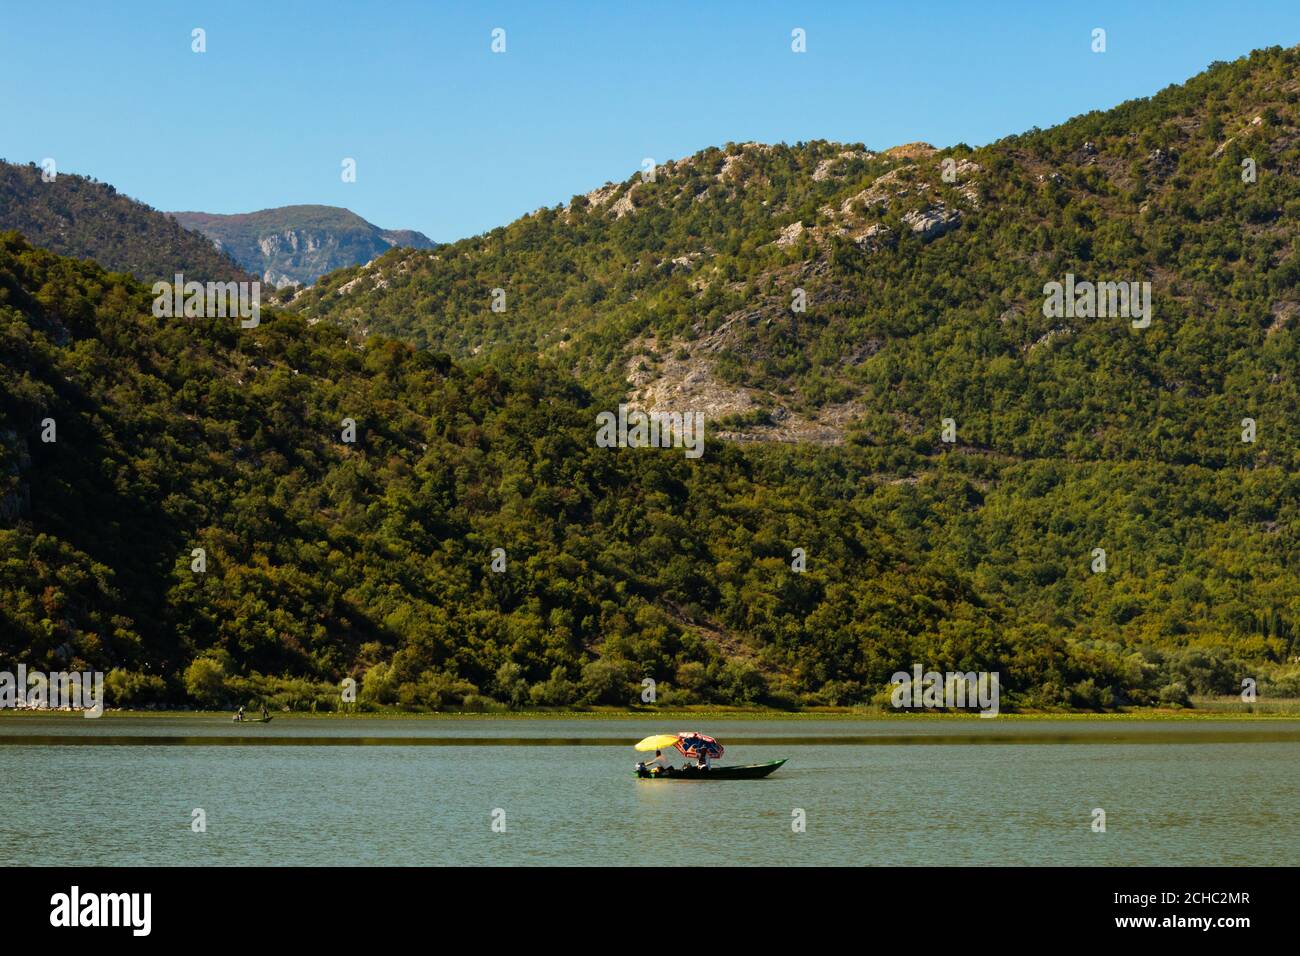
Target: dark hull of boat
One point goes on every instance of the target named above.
(749, 772)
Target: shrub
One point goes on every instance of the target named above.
(205, 682)
(607, 681)
(559, 691)
(741, 682)
(509, 684)
(125, 688)
(1175, 695)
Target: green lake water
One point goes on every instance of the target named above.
(423, 792)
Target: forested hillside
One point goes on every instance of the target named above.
(372, 559)
(326, 559)
(81, 217)
(924, 282)
(925, 273)
(924, 297)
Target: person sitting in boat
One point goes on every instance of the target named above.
(659, 764)
(240, 715)
(706, 761)
(265, 715)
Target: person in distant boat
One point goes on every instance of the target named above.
(240, 715)
(706, 761)
(660, 763)
(264, 713)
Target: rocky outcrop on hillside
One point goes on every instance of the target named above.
(296, 245)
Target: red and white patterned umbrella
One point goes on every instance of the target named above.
(690, 744)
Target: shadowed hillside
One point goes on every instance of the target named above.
(80, 217)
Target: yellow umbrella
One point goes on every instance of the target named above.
(657, 742)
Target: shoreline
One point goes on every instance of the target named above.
(622, 715)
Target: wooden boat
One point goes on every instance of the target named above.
(252, 720)
(747, 772)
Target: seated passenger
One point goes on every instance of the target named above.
(659, 764)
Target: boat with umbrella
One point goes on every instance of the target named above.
(694, 746)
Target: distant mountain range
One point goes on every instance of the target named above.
(80, 217)
(298, 244)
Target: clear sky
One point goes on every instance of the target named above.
(452, 139)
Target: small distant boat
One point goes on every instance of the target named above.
(751, 771)
(252, 720)
(696, 746)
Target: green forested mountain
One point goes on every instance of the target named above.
(925, 302)
(924, 272)
(297, 244)
(81, 217)
(924, 297)
(326, 559)
(372, 559)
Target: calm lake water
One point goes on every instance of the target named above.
(423, 792)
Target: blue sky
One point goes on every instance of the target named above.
(452, 139)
